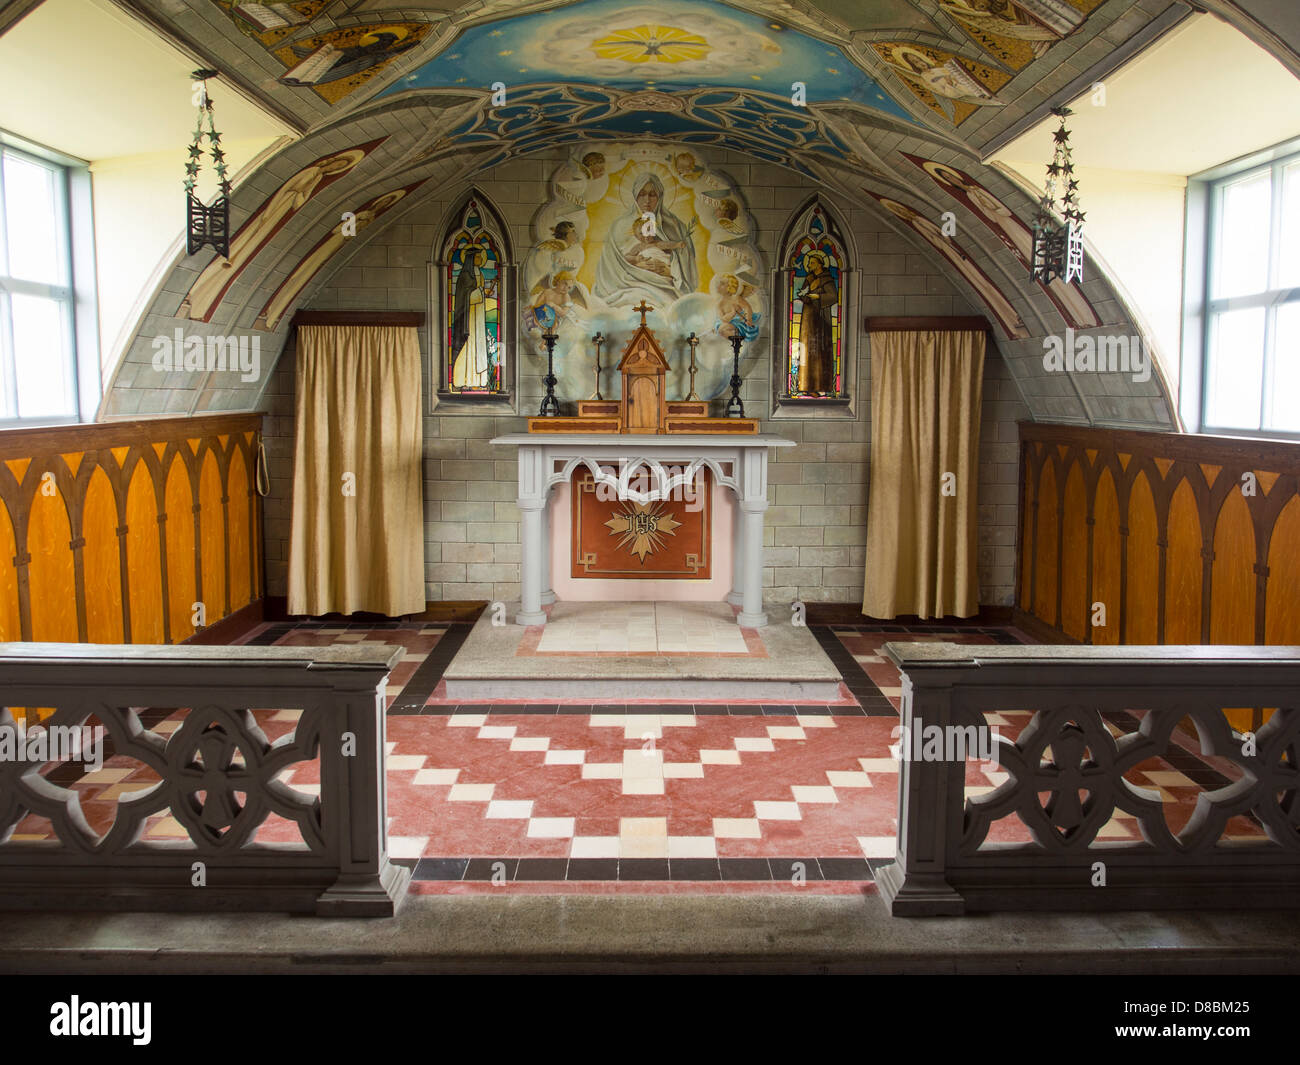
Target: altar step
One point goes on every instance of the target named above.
(667, 651)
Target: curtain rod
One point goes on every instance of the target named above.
(955, 324)
(415, 318)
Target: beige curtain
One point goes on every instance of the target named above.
(357, 541)
(922, 556)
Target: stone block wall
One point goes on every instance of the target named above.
(815, 529)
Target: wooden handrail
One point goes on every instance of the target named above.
(56, 439)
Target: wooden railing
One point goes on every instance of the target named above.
(1039, 789)
(128, 532)
(265, 790)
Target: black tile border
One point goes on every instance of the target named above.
(416, 692)
(871, 701)
(645, 870)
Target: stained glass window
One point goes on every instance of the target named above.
(473, 298)
(815, 265)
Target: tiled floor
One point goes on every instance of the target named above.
(637, 796)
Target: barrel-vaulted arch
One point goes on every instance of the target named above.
(418, 106)
(427, 141)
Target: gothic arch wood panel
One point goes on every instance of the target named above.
(1074, 557)
(50, 573)
(87, 513)
(1107, 552)
(1282, 616)
(101, 559)
(1047, 571)
(1183, 588)
(181, 546)
(239, 547)
(1197, 536)
(1142, 598)
(144, 554)
(1232, 582)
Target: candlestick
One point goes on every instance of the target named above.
(735, 408)
(692, 340)
(550, 405)
(598, 340)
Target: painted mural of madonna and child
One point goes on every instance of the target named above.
(628, 223)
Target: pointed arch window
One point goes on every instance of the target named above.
(815, 354)
(474, 292)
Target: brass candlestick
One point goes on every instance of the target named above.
(692, 340)
(598, 340)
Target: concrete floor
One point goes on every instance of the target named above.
(553, 934)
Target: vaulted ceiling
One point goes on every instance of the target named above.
(853, 94)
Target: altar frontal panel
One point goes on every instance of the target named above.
(623, 539)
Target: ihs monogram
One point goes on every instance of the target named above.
(641, 528)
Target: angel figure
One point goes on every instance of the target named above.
(552, 301)
(736, 315)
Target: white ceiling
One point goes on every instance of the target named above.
(1201, 96)
(108, 86)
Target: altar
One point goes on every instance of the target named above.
(643, 469)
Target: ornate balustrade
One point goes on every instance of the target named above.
(1084, 799)
(258, 785)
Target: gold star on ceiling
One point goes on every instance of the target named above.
(644, 44)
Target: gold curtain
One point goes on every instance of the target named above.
(922, 556)
(357, 540)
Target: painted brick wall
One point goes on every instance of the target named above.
(815, 530)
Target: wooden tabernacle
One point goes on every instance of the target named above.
(644, 406)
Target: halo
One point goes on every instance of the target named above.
(819, 255)
(952, 178)
(635, 177)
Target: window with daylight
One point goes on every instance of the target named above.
(475, 296)
(814, 359)
(38, 304)
(1252, 309)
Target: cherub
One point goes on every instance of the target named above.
(686, 167)
(728, 211)
(552, 300)
(564, 235)
(735, 313)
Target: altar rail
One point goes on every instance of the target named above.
(1085, 720)
(210, 814)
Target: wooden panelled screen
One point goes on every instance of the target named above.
(112, 533)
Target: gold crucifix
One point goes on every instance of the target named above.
(643, 310)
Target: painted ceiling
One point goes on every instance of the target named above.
(848, 93)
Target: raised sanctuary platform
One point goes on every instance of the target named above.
(666, 651)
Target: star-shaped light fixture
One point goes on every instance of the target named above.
(1058, 239)
(206, 223)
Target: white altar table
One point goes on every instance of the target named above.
(737, 463)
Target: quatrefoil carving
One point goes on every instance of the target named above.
(216, 756)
